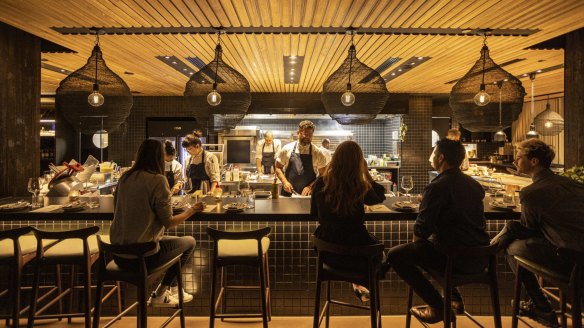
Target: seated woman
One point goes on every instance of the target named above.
(142, 212)
(338, 200)
(172, 168)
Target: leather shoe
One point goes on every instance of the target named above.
(457, 306)
(428, 314)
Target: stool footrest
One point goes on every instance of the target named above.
(241, 287)
(120, 315)
(239, 315)
(169, 319)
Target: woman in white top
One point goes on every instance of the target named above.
(201, 167)
(142, 212)
(172, 168)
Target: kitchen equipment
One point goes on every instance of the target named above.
(62, 187)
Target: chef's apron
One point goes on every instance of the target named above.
(268, 159)
(197, 174)
(299, 171)
(170, 176)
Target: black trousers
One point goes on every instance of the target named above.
(542, 252)
(408, 259)
(170, 247)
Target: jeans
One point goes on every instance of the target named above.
(542, 252)
(170, 247)
(407, 259)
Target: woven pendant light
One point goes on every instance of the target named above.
(484, 75)
(218, 94)
(549, 123)
(354, 93)
(73, 96)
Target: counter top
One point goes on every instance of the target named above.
(282, 209)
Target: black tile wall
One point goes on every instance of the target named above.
(292, 269)
(417, 146)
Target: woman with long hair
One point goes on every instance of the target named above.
(142, 212)
(338, 200)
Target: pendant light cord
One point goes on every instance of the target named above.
(484, 56)
(217, 61)
(351, 57)
(500, 85)
(97, 44)
(532, 78)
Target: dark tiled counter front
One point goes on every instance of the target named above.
(292, 260)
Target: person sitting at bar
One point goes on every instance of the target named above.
(298, 163)
(266, 151)
(201, 167)
(172, 168)
(324, 148)
(552, 216)
(454, 134)
(142, 212)
(337, 203)
(450, 216)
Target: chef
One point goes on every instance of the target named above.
(201, 167)
(299, 162)
(266, 150)
(325, 149)
(172, 168)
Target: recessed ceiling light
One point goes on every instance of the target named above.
(291, 73)
(292, 62)
(420, 58)
(292, 69)
(539, 71)
(62, 70)
(524, 74)
(166, 57)
(392, 73)
(174, 62)
(184, 69)
(292, 57)
(412, 63)
(506, 80)
(191, 73)
(399, 70)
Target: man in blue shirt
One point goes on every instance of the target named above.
(451, 216)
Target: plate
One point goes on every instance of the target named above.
(263, 194)
(14, 206)
(235, 206)
(405, 206)
(74, 207)
(502, 206)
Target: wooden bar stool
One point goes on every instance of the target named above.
(449, 280)
(75, 247)
(368, 277)
(141, 278)
(567, 284)
(240, 248)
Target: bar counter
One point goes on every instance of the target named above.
(292, 259)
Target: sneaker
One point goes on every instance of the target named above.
(164, 300)
(186, 296)
(546, 318)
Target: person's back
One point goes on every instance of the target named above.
(142, 208)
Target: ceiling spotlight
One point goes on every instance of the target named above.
(292, 57)
(174, 62)
(412, 63)
(420, 58)
(167, 57)
(392, 73)
(539, 71)
(399, 70)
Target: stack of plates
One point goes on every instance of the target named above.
(74, 206)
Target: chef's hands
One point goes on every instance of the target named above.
(287, 186)
(174, 190)
(307, 191)
(198, 207)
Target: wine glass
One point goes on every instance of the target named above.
(407, 184)
(34, 187)
(217, 194)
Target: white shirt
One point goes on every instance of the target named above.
(318, 158)
(177, 171)
(327, 154)
(211, 165)
(275, 146)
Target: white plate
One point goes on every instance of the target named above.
(502, 206)
(14, 206)
(235, 206)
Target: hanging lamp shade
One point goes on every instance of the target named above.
(549, 123)
(73, 91)
(367, 85)
(230, 84)
(486, 118)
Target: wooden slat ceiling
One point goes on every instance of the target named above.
(259, 57)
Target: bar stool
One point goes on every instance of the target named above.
(240, 248)
(141, 278)
(75, 247)
(368, 277)
(567, 284)
(449, 280)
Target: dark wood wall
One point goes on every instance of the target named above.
(20, 82)
(574, 98)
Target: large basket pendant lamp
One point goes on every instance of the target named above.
(218, 94)
(471, 97)
(549, 123)
(354, 93)
(94, 92)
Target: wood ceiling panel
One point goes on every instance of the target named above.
(260, 57)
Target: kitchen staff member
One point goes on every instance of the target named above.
(172, 168)
(298, 163)
(266, 151)
(201, 167)
(326, 144)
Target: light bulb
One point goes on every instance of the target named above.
(214, 98)
(348, 98)
(482, 98)
(95, 99)
(548, 124)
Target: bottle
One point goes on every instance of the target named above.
(275, 189)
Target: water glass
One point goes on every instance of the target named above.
(407, 184)
(94, 198)
(34, 188)
(250, 200)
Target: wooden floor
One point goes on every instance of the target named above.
(277, 322)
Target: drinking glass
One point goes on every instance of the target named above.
(34, 187)
(407, 184)
(217, 194)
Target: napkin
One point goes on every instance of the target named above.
(379, 208)
(47, 209)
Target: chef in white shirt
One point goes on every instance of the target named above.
(201, 167)
(326, 144)
(300, 162)
(266, 151)
(172, 168)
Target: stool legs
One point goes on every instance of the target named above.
(408, 312)
(316, 318)
(180, 295)
(494, 288)
(142, 305)
(98, 294)
(213, 291)
(328, 303)
(576, 306)
(262, 270)
(516, 297)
